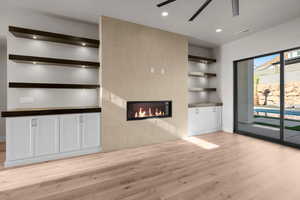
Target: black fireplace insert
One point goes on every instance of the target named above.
(138, 110)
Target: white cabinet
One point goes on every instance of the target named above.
(204, 120)
(19, 138)
(90, 127)
(42, 138)
(46, 134)
(69, 133)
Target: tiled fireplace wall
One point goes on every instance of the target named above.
(141, 64)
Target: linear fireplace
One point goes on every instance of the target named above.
(138, 110)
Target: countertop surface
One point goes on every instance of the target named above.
(48, 111)
(205, 104)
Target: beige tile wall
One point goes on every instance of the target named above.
(128, 52)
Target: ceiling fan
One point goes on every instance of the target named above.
(235, 7)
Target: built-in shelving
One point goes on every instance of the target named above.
(202, 74)
(52, 61)
(52, 85)
(201, 59)
(53, 37)
(48, 111)
(202, 89)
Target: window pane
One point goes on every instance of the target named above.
(258, 96)
(292, 100)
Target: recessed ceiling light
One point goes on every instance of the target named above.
(164, 14)
(83, 44)
(34, 37)
(219, 30)
(34, 63)
(243, 31)
(83, 66)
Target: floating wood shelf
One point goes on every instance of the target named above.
(202, 74)
(202, 89)
(48, 111)
(53, 37)
(204, 104)
(51, 85)
(201, 59)
(53, 61)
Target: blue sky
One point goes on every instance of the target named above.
(262, 60)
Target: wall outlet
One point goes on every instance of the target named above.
(26, 100)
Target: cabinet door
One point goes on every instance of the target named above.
(46, 135)
(219, 116)
(69, 133)
(19, 142)
(204, 120)
(90, 130)
(193, 121)
(210, 118)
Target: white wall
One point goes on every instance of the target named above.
(3, 52)
(41, 73)
(281, 37)
(2, 84)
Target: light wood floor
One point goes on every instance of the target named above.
(2, 155)
(211, 167)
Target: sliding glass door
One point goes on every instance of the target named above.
(292, 97)
(257, 97)
(267, 97)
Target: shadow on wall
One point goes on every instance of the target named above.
(169, 128)
(3, 64)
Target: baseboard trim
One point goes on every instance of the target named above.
(51, 157)
(228, 130)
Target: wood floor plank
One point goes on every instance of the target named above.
(210, 167)
(176, 166)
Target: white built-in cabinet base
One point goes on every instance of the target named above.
(203, 120)
(38, 159)
(42, 138)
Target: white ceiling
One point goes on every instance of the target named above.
(255, 15)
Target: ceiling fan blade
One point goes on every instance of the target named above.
(235, 8)
(165, 3)
(200, 10)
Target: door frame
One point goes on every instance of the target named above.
(282, 99)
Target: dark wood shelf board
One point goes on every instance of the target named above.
(210, 89)
(51, 85)
(49, 111)
(53, 37)
(202, 74)
(204, 104)
(52, 61)
(202, 89)
(211, 74)
(201, 59)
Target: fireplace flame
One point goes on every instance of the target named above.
(143, 113)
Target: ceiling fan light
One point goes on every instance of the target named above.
(243, 31)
